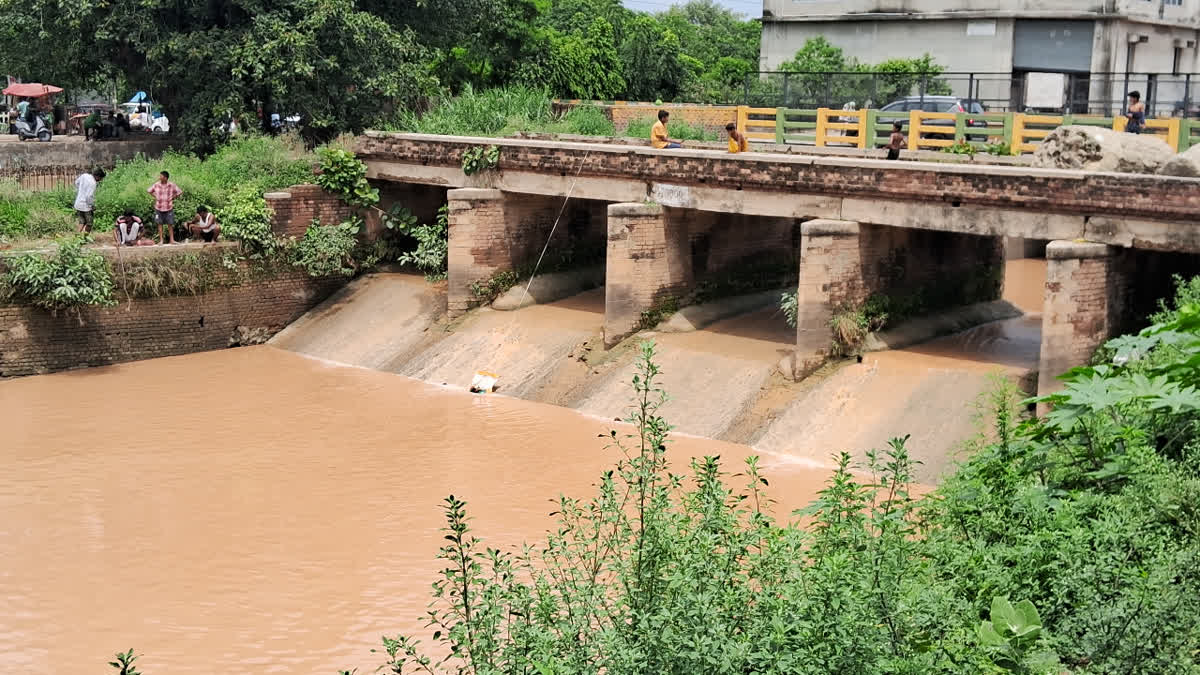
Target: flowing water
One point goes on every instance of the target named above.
(258, 511)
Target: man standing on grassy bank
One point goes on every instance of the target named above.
(165, 192)
(658, 134)
(85, 197)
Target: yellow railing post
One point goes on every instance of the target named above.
(914, 130)
(742, 116)
(822, 124)
(862, 129)
(1173, 133)
(1018, 133)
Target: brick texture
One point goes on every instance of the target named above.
(492, 232)
(294, 209)
(1087, 293)
(649, 259)
(1041, 191)
(844, 263)
(35, 341)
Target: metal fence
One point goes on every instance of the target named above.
(1165, 94)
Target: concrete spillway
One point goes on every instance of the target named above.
(722, 379)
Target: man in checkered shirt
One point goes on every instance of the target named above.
(165, 192)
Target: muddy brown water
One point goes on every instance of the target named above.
(259, 511)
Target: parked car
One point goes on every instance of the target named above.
(950, 104)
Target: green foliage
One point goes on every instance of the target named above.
(124, 663)
(1010, 636)
(588, 120)
(498, 284)
(70, 277)
(328, 250)
(477, 159)
(1093, 526)
(788, 305)
(999, 149)
(432, 249)
(247, 219)
(896, 78)
(475, 112)
(662, 309)
(961, 147)
(345, 175)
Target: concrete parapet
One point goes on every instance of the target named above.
(648, 260)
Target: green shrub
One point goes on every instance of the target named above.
(498, 284)
(478, 158)
(432, 250)
(663, 309)
(345, 175)
(682, 131)
(247, 219)
(787, 304)
(639, 128)
(70, 277)
(588, 120)
(328, 250)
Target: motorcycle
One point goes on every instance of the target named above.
(38, 130)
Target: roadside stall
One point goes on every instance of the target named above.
(38, 98)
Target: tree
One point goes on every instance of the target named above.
(650, 58)
(580, 64)
(203, 60)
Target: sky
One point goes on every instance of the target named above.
(750, 8)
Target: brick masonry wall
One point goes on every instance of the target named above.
(1041, 191)
(478, 244)
(35, 341)
(1087, 291)
(723, 242)
(294, 209)
(649, 259)
(843, 263)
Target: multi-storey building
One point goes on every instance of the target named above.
(1102, 47)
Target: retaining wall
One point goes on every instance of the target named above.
(40, 166)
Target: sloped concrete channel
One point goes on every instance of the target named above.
(719, 365)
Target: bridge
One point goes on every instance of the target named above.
(669, 221)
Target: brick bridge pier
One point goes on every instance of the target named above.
(667, 223)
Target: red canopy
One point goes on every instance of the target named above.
(31, 89)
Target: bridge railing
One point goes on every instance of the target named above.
(870, 128)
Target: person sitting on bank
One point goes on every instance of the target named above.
(737, 140)
(896, 142)
(128, 231)
(658, 134)
(1135, 119)
(204, 225)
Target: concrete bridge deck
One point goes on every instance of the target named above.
(1128, 210)
(670, 221)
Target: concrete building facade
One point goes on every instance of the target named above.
(1079, 38)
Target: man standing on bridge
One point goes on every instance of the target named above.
(85, 197)
(658, 135)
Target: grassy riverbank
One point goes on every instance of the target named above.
(1065, 544)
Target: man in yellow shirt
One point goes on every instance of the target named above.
(658, 135)
(737, 140)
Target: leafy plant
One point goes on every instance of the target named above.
(343, 174)
(787, 303)
(478, 158)
(247, 219)
(432, 249)
(70, 277)
(328, 250)
(1011, 635)
(961, 147)
(124, 663)
(498, 284)
(999, 149)
(588, 120)
(662, 309)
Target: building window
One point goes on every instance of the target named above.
(1178, 61)
(1175, 3)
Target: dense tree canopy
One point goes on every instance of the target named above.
(343, 64)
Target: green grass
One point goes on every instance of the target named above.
(257, 162)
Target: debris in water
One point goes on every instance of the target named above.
(484, 382)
